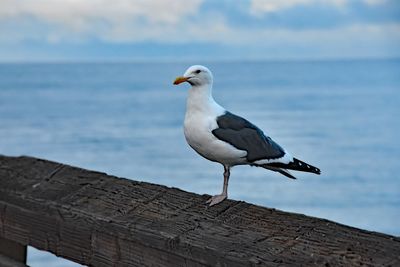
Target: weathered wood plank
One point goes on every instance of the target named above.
(9, 262)
(100, 220)
(11, 250)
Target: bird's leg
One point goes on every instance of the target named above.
(219, 198)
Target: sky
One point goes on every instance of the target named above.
(87, 30)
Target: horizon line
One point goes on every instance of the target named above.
(186, 60)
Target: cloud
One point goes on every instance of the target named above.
(83, 16)
(309, 27)
(374, 2)
(260, 7)
(169, 21)
(354, 34)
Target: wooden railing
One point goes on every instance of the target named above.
(100, 220)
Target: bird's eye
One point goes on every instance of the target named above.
(197, 71)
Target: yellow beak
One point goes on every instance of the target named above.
(179, 80)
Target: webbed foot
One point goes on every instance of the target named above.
(214, 200)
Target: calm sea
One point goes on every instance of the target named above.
(126, 119)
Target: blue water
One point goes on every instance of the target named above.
(126, 119)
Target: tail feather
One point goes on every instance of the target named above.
(275, 169)
(286, 173)
(296, 165)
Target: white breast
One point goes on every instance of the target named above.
(200, 121)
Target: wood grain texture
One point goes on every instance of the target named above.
(12, 251)
(100, 220)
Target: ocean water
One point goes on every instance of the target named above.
(126, 119)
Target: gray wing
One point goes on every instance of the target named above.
(244, 135)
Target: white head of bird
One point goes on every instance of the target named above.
(196, 75)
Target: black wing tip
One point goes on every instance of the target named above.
(296, 165)
(303, 166)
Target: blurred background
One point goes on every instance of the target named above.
(89, 83)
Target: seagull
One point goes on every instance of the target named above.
(221, 136)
